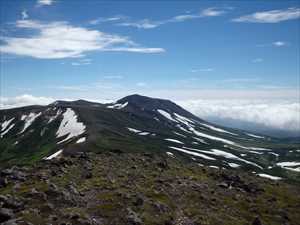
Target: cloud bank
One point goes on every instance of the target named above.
(270, 114)
(281, 115)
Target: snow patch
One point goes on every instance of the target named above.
(70, 126)
(5, 124)
(6, 131)
(217, 129)
(56, 154)
(289, 166)
(54, 117)
(224, 154)
(118, 106)
(166, 114)
(133, 130)
(255, 136)
(174, 140)
(81, 140)
(269, 176)
(234, 165)
(170, 154)
(29, 119)
(192, 153)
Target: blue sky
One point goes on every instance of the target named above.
(182, 50)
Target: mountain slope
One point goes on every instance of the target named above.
(139, 124)
(113, 188)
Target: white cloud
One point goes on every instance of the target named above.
(113, 77)
(24, 15)
(61, 40)
(279, 43)
(273, 16)
(257, 60)
(202, 70)
(23, 100)
(212, 12)
(272, 114)
(44, 2)
(150, 24)
(144, 24)
(109, 19)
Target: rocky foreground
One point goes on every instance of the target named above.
(126, 188)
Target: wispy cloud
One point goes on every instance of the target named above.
(279, 43)
(45, 2)
(113, 77)
(274, 44)
(202, 70)
(24, 15)
(82, 62)
(150, 24)
(241, 80)
(108, 19)
(61, 40)
(257, 60)
(273, 16)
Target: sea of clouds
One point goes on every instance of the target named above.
(250, 114)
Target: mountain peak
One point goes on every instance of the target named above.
(145, 103)
(79, 102)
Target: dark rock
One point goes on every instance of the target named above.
(13, 222)
(256, 221)
(5, 214)
(11, 202)
(133, 218)
(138, 201)
(163, 164)
(3, 182)
(223, 185)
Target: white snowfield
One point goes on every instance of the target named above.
(234, 165)
(133, 130)
(184, 120)
(217, 129)
(255, 136)
(290, 166)
(143, 133)
(70, 126)
(5, 124)
(56, 154)
(191, 129)
(174, 140)
(81, 140)
(167, 115)
(200, 134)
(192, 153)
(118, 106)
(6, 131)
(55, 116)
(181, 135)
(170, 154)
(224, 154)
(140, 132)
(29, 119)
(269, 176)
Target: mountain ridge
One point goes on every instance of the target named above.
(138, 123)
